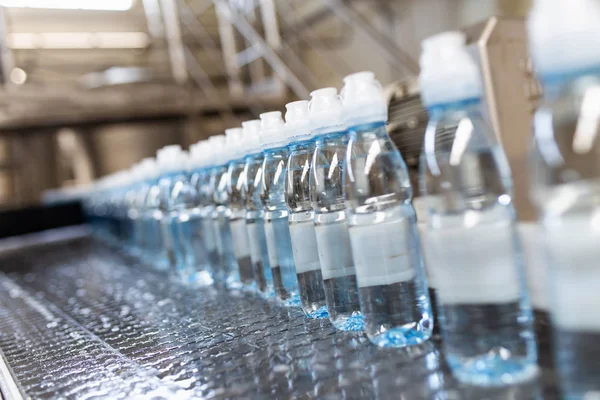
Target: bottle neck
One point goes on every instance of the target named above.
(440, 111)
(555, 80)
(332, 137)
(254, 158)
(301, 146)
(368, 131)
(174, 174)
(276, 152)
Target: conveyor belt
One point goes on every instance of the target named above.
(79, 320)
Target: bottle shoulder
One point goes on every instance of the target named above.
(566, 152)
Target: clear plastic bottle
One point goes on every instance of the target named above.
(202, 232)
(255, 224)
(120, 187)
(146, 172)
(180, 210)
(471, 236)
(301, 219)
(201, 179)
(131, 210)
(277, 230)
(383, 233)
(236, 204)
(229, 270)
(154, 252)
(327, 200)
(566, 182)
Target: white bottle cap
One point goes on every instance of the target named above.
(297, 122)
(198, 155)
(235, 143)
(363, 100)
(135, 172)
(251, 136)
(272, 130)
(195, 155)
(148, 168)
(326, 113)
(171, 159)
(564, 36)
(448, 72)
(216, 149)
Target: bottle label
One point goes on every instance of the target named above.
(531, 238)
(475, 265)
(254, 240)
(217, 234)
(167, 232)
(431, 278)
(382, 253)
(573, 244)
(208, 234)
(304, 246)
(240, 238)
(421, 212)
(335, 251)
(271, 243)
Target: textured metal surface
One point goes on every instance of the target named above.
(78, 320)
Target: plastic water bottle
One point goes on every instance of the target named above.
(236, 202)
(383, 233)
(131, 210)
(301, 218)
(564, 43)
(120, 184)
(277, 230)
(206, 243)
(154, 204)
(181, 213)
(145, 172)
(327, 199)
(228, 271)
(471, 236)
(255, 224)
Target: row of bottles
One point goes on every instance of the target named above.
(564, 38)
(317, 211)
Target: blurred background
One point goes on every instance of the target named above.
(89, 87)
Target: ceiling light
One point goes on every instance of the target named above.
(107, 5)
(78, 40)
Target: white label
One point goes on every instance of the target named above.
(254, 239)
(381, 253)
(240, 238)
(531, 239)
(167, 232)
(271, 244)
(574, 248)
(208, 234)
(420, 206)
(218, 241)
(304, 246)
(474, 265)
(431, 278)
(335, 251)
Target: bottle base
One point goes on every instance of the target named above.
(233, 283)
(292, 301)
(349, 323)
(316, 312)
(399, 337)
(202, 278)
(492, 370)
(267, 293)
